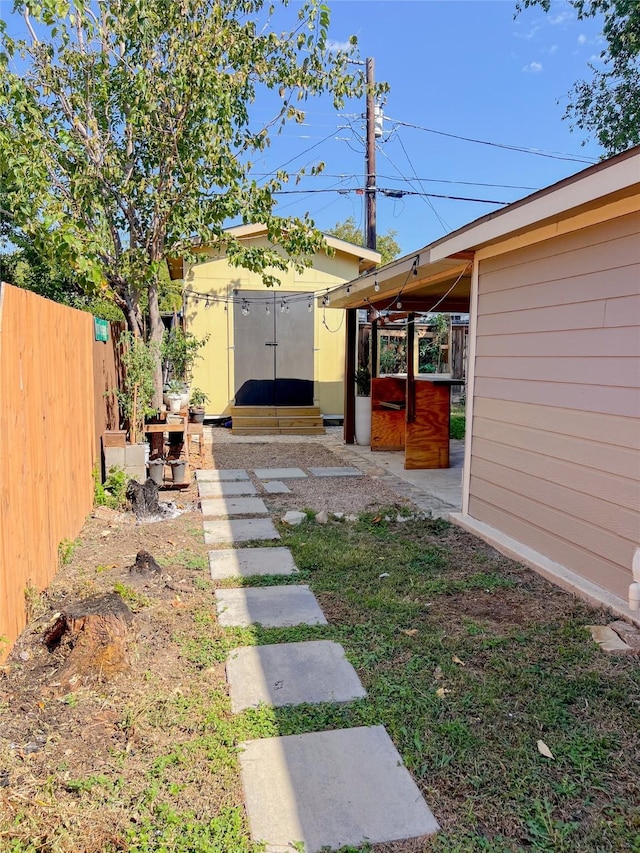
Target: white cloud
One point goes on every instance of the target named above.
(529, 33)
(582, 39)
(550, 50)
(561, 18)
(533, 68)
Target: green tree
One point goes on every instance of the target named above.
(126, 134)
(608, 105)
(349, 231)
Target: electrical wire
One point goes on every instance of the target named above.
(554, 155)
(443, 222)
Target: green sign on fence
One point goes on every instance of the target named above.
(102, 329)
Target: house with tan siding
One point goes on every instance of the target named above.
(552, 466)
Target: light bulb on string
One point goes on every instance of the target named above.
(376, 286)
(267, 309)
(399, 304)
(282, 307)
(309, 307)
(348, 288)
(287, 308)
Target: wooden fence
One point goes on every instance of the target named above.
(49, 441)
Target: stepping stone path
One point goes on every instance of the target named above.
(315, 791)
(246, 562)
(291, 673)
(226, 490)
(209, 475)
(218, 507)
(269, 606)
(279, 473)
(238, 530)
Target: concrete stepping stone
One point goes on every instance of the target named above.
(279, 473)
(238, 530)
(226, 490)
(336, 472)
(272, 607)
(276, 487)
(213, 475)
(291, 673)
(331, 789)
(218, 507)
(245, 562)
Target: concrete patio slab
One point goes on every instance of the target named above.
(336, 472)
(213, 475)
(245, 562)
(331, 789)
(238, 530)
(279, 473)
(276, 487)
(272, 607)
(226, 490)
(219, 507)
(291, 673)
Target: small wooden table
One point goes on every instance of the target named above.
(163, 427)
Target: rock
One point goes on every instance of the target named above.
(25, 655)
(293, 517)
(608, 640)
(338, 516)
(322, 517)
(629, 633)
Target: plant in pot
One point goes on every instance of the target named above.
(179, 351)
(363, 406)
(197, 405)
(174, 393)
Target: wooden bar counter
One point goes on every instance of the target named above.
(413, 415)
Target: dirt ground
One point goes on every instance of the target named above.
(54, 735)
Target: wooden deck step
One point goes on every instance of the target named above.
(277, 420)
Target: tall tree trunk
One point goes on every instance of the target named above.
(156, 330)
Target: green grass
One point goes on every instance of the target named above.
(468, 660)
(457, 426)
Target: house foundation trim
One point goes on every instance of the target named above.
(549, 569)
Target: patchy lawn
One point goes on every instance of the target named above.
(468, 659)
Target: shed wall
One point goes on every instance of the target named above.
(556, 437)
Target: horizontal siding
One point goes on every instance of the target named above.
(591, 426)
(576, 287)
(579, 244)
(603, 572)
(619, 371)
(622, 341)
(555, 449)
(556, 436)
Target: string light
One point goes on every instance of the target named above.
(348, 288)
(287, 309)
(310, 307)
(376, 286)
(267, 309)
(282, 306)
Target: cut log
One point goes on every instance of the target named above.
(95, 633)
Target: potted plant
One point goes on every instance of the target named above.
(174, 394)
(363, 406)
(197, 406)
(179, 351)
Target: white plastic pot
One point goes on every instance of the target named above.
(363, 421)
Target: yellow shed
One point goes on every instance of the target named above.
(270, 346)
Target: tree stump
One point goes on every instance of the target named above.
(95, 631)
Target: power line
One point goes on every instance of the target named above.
(390, 192)
(554, 155)
(445, 225)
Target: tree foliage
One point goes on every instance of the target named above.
(126, 134)
(349, 231)
(608, 105)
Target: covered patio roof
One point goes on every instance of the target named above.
(413, 283)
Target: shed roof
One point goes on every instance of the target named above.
(367, 258)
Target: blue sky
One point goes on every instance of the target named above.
(464, 67)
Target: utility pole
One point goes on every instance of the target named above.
(370, 197)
